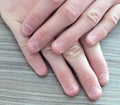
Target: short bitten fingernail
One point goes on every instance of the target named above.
(74, 89)
(92, 39)
(59, 47)
(40, 70)
(26, 29)
(104, 78)
(95, 93)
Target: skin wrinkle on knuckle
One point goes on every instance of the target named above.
(43, 31)
(74, 51)
(87, 78)
(29, 58)
(70, 13)
(38, 18)
(99, 63)
(104, 30)
(114, 18)
(92, 16)
(63, 74)
(48, 50)
(115, 2)
(40, 38)
(57, 2)
(22, 43)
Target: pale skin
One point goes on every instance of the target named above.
(87, 62)
(81, 15)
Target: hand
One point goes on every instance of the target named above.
(91, 74)
(97, 17)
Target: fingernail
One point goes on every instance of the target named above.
(95, 92)
(27, 30)
(104, 78)
(33, 47)
(92, 39)
(73, 87)
(59, 47)
(40, 70)
(73, 90)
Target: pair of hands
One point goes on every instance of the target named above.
(87, 62)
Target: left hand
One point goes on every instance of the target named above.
(99, 16)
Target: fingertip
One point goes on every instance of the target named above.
(42, 72)
(90, 40)
(73, 90)
(56, 49)
(104, 79)
(95, 93)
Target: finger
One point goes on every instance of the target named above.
(66, 15)
(34, 60)
(97, 62)
(77, 59)
(62, 71)
(87, 21)
(39, 14)
(105, 26)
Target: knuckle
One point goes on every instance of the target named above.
(92, 16)
(57, 2)
(36, 17)
(104, 30)
(44, 31)
(29, 58)
(63, 74)
(115, 2)
(74, 51)
(114, 19)
(22, 43)
(42, 37)
(47, 50)
(99, 64)
(70, 13)
(87, 78)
